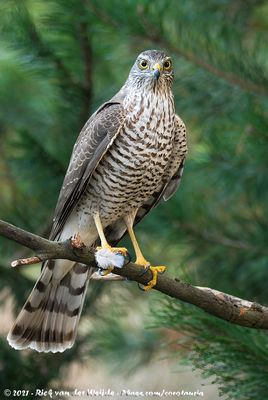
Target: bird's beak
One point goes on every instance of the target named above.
(157, 69)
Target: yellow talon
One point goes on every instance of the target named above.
(106, 271)
(155, 271)
(121, 250)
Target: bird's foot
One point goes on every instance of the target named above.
(160, 269)
(109, 257)
(115, 250)
(155, 271)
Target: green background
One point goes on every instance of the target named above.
(59, 60)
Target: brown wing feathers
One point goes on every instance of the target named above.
(91, 145)
(49, 318)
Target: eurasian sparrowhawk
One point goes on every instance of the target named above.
(129, 155)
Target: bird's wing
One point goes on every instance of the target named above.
(93, 142)
(166, 189)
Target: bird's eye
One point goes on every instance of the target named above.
(143, 64)
(167, 64)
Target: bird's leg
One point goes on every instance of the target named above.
(140, 260)
(105, 245)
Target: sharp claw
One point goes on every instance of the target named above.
(146, 269)
(155, 271)
(128, 258)
(141, 287)
(161, 272)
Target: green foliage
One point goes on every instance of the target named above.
(19, 371)
(122, 343)
(235, 356)
(59, 60)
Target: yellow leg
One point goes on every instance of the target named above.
(140, 260)
(105, 244)
(97, 220)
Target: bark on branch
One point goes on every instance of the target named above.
(222, 305)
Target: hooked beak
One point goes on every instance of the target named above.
(157, 69)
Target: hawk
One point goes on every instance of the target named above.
(129, 155)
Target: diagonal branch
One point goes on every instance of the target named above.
(222, 305)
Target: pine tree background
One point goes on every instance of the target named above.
(59, 60)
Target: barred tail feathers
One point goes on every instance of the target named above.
(49, 319)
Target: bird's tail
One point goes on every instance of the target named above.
(48, 321)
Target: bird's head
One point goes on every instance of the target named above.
(152, 68)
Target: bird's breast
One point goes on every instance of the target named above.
(135, 163)
(148, 130)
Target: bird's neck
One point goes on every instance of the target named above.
(159, 100)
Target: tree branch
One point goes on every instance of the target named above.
(222, 305)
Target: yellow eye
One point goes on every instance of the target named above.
(143, 64)
(167, 64)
